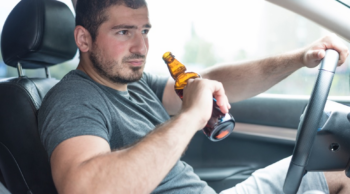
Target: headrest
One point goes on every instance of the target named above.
(38, 33)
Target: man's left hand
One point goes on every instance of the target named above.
(313, 54)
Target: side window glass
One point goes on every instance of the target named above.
(5, 9)
(206, 33)
(229, 31)
(57, 71)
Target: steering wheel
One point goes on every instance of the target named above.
(307, 129)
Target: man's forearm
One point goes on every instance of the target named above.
(140, 168)
(247, 79)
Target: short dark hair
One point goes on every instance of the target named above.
(91, 13)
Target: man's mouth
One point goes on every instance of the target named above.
(135, 63)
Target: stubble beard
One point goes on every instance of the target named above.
(105, 68)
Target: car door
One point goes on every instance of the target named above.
(266, 125)
(265, 132)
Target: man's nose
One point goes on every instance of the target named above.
(139, 45)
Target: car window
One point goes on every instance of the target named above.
(201, 33)
(57, 71)
(345, 2)
(228, 30)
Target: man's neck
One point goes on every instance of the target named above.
(91, 72)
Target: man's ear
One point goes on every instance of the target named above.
(82, 39)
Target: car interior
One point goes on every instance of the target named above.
(39, 33)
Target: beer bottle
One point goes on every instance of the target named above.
(220, 125)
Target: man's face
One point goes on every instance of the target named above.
(121, 46)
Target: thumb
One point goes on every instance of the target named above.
(316, 55)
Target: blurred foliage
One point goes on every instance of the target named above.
(241, 55)
(199, 52)
(57, 71)
(301, 83)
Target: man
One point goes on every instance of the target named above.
(106, 126)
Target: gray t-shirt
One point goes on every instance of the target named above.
(77, 105)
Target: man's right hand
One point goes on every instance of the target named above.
(198, 99)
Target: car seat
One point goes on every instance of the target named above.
(36, 34)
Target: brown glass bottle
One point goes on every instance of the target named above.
(220, 125)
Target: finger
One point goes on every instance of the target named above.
(313, 57)
(224, 103)
(342, 56)
(189, 81)
(340, 47)
(228, 103)
(316, 55)
(219, 93)
(320, 54)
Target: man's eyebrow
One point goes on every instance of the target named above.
(124, 26)
(147, 26)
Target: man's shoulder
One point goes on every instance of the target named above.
(72, 92)
(75, 77)
(71, 88)
(75, 80)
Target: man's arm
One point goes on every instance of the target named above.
(247, 79)
(85, 164)
(241, 80)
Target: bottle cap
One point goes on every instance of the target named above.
(168, 57)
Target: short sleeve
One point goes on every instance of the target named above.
(71, 109)
(156, 83)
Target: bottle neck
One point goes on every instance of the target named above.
(176, 68)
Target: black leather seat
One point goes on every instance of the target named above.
(36, 34)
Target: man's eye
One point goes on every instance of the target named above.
(145, 31)
(122, 32)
